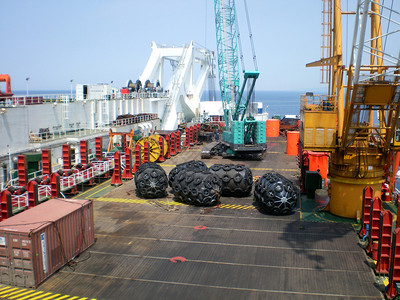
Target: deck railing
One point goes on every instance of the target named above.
(66, 98)
(56, 134)
(19, 201)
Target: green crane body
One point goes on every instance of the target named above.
(243, 135)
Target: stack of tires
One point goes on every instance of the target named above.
(193, 184)
(151, 181)
(276, 194)
(237, 180)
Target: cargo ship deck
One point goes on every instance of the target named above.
(149, 249)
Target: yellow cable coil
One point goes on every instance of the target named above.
(154, 148)
(157, 138)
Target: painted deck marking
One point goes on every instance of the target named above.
(40, 296)
(8, 292)
(173, 203)
(62, 297)
(52, 297)
(97, 191)
(107, 182)
(8, 289)
(276, 170)
(22, 294)
(14, 292)
(31, 295)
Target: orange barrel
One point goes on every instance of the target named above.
(292, 141)
(273, 127)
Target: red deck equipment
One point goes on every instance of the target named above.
(173, 144)
(127, 174)
(37, 242)
(368, 193)
(167, 139)
(385, 237)
(6, 78)
(313, 161)
(178, 141)
(66, 156)
(146, 152)
(5, 204)
(46, 162)
(186, 144)
(84, 148)
(22, 170)
(374, 219)
(161, 158)
(33, 194)
(98, 144)
(394, 271)
(191, 136)
(55, 185)
(116, 179)
(138, 158)
(195, 133)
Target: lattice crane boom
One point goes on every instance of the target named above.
(243, 134)
(227, 54)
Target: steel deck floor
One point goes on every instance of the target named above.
(237, 254)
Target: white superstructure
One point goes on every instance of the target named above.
(191, 66)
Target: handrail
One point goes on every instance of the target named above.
(54, 135)
(19, 201)
(68, 182)
(15, 101)
(44, 192)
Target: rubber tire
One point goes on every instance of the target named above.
(237, 180)
(151, 181)
(276, 194)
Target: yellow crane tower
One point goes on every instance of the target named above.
(356, 121)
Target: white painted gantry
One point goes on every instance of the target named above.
(191, 66)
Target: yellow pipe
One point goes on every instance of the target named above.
(337, 85)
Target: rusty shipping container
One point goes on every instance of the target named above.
(39, 241)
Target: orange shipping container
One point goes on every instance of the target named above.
(39, 241)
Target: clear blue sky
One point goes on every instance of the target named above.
(93, 41)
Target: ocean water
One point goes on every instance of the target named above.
(274, 102)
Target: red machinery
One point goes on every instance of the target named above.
(6, 78)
